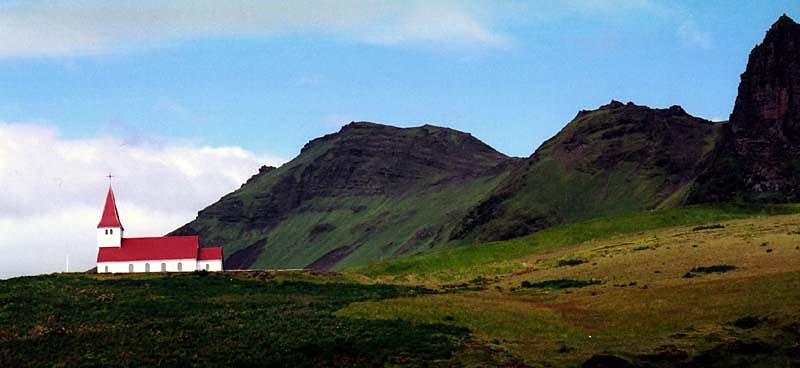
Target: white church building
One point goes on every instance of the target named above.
(116, 254)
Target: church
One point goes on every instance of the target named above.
(116, 254)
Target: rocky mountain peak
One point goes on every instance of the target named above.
(768, 104)
(760, 157)
(783, 21)
(612, 105)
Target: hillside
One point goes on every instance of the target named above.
(720, 289)
(620, 158)
(693, 287)
(372, 192)
(365, 193)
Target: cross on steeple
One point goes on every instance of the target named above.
(109, 176)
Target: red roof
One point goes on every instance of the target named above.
(209, 254)
(110, 216)
(156, 249)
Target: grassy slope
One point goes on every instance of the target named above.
(643, 308)
(464, 263)
(391, 221)
(590, 170)
(644, 305)
(234, 236)
(394, 221)
(213, 320)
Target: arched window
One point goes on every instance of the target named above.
(163, 267)
(106, 268)
(206, 266)
(111, 231)
(146, 267)
(130, 267)
(180, 266)
(106, 231)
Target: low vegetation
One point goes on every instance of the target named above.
(713, 269)
(740, 307)
(559, 284)
(213, 319)
(708, 227)
(466, 262)
(570, 262)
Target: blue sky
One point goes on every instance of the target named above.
(511, 73)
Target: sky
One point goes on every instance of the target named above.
(184, 100)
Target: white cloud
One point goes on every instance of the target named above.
(691, 35)
(34, 28)
(53, 191)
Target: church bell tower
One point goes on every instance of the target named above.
(109, 230)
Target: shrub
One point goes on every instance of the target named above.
(480, 280)
(570, 262)
(708, 227)
(747, 322)
(559, 284)
(713, 269)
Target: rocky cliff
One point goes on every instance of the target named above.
(759, 158)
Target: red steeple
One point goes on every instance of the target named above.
(110, 216)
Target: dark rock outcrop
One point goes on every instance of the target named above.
(759, 158)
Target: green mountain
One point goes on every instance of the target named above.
(620, 158)
(372, 192)
(365, 193)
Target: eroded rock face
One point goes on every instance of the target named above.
(768, 105)
(766, 118)
(762, 144)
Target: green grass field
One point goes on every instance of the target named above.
(206, 319)
(467, 262)
(701, 286)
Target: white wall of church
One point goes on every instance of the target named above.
(209, 265)
(186, 265)
(109, 237)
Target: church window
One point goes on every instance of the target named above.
(130, 267)
(106, 268)
(163, 267)
(106, 231)
(146, 267)
(180, 266)
(206, 266)
(111, 231)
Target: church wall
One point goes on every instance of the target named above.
(188, 265)
(212, 265)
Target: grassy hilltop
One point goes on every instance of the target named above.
(701, 286)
